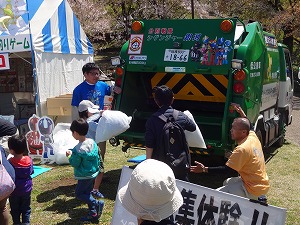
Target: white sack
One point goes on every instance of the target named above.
(63, 140)
(60, 157)
(60, 127)
(112, 123)
(195, 138)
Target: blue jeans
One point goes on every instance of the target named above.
(83, 193)
(20, 206)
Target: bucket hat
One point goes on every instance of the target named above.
(151, 193)
(88, 105)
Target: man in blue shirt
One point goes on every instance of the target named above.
(91, 89)
(94, 90)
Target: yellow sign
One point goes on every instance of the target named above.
(194, 87)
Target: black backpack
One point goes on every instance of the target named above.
(173, 147)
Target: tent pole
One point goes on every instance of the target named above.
(34, 74)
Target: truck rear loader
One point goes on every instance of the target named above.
(209, 64)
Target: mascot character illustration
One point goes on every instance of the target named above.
(46, 126)
(33, 138)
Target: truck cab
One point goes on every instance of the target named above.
(208, 64)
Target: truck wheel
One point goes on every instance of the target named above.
(125, 148)
(279, 142)
(114, 142)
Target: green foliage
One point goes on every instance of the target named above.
(280, 17)
(107, 23)
(53, 196)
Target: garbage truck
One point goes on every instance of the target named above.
(208, 64)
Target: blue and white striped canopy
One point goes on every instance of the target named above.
(55, 28)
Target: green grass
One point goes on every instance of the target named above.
(283, 170)
(53, 200)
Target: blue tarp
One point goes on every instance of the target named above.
(38, 170)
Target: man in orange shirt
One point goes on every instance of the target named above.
(247, 159)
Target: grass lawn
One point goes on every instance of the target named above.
(53, 200)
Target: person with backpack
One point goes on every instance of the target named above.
(164, 137)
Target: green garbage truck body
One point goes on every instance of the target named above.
(208, 64)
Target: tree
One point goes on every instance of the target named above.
(287, 22)
(277, 16)
(128, 10)
(94, 19)
(107, 22)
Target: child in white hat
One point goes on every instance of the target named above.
(91, 113)
(151, 193)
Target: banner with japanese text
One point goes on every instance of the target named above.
(19, 43)
(204, 206)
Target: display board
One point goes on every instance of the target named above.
(202, 205)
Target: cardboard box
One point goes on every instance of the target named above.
(60, 105)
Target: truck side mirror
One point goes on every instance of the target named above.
(299, 73)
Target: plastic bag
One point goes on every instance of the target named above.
(195, 138)
(112, 123)
(60, 154)
(7, 185)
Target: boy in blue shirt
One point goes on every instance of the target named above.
(84, 158)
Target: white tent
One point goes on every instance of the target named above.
(51, 32)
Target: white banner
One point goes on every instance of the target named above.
(18, 43)
(4, 61)
(207, 206)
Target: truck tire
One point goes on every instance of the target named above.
(279, 142)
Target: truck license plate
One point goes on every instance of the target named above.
(176, 55)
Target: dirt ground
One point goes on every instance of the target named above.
(293, 132)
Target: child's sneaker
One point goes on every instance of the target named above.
(100, 208)
(90, 218)
(97, 194)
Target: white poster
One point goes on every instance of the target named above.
(207, 206)
(39, 138)
(135, 44)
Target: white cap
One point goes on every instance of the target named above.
(88, 105)
(151, 193)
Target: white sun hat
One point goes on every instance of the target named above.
(151, 193)
(88, 105)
